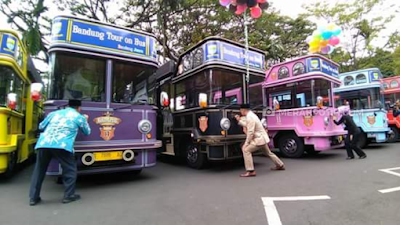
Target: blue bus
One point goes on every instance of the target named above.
(363, 91)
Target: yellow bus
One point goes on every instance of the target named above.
(19, 114)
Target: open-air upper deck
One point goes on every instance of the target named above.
(306, 67)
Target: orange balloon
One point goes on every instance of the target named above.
(323, 43)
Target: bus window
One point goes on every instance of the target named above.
(283, 72)
(131, 83)
(299, 69)
(283, 94)
(322, 88)
(255, 90)
(349, 80)
(75, 77)
(304, 94)
(11, 83)
(361, 79)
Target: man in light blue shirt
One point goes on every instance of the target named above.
(57, 140)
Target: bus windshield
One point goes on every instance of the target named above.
(221, 87)
(77, 77)
(10, 83)
(361, 99)
(133, 83)
(300, 94)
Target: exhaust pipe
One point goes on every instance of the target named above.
(88, 159)
(128, 155)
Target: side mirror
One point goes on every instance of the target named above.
(36, 91)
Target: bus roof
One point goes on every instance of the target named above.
(360, 79)
(220, 52)
(391, 84)
(93, 36)
(302, 68)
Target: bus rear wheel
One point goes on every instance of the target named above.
(394, 136)
(291, 146)
(194, 158)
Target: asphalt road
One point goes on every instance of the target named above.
(171, 193)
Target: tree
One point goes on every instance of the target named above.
(360, 24)
(27, 17)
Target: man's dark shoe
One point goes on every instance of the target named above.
(349, 158)
(71, 198)
(363, 157)
(33, 202)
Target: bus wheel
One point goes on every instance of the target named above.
(194, 158)
(291, 146)
(311, 151)
(12, 164)
(394, 136)
(363, 141)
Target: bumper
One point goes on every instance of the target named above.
(379, 137)
(142, 159)
(325, 143)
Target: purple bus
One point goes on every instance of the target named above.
(112, 70)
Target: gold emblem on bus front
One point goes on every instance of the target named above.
(107, 123)
(308, 121)
(371, 120)
(203, 123)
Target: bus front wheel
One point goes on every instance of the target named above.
(394, 135)
(291, 146)
(194, 158)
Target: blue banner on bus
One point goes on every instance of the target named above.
(375, 76)
(9, 44)
(217, 50)
(114, 40)
(317, 64)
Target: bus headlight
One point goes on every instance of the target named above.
(225, 124)
(326, 121)
(144, 126)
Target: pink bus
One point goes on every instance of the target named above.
(301, 106)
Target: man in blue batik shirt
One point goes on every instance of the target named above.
(57, 141)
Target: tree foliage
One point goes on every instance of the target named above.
(362, 28)
(27, 17)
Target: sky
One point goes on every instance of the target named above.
(287, 7)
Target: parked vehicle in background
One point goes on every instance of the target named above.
(199, 97)
(298, 95)
(112, 70)
(363, 90)
(19, 114)
(392, 95)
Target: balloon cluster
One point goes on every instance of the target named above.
(325, 39)
(240, 6)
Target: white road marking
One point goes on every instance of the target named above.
(271, 211)
(390, 171)
(384, 191)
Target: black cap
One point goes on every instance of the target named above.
(245, 106)
(74, 103)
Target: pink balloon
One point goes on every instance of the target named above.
(334, 41)
(240, 9)
(224, 2)
(261, 1)
(255, 12)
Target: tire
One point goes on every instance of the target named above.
(363, 141)
(311, 151)
(394, 137)
(291, 146)
(135, 172)
(194, 158)
(11, 165)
